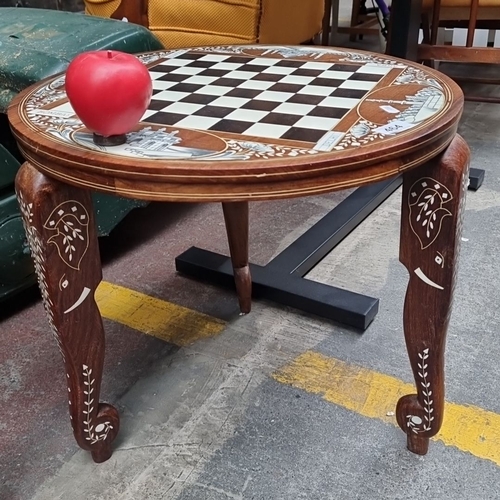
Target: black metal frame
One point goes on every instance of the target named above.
(282, 279)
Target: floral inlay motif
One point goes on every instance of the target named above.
(362, 133)
(100, 431)
(415, 423)
(414, 75)
(427, 200)
(156, 56)
(259, 150)
(37, 252)
(69, 221)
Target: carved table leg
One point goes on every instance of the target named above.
(236, 218)
(59, 223)
(433, 204)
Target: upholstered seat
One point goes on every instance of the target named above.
(181, 23)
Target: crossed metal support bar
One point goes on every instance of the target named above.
(282, 279)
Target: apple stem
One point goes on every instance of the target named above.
(110, 55)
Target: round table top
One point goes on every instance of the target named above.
(235, 123)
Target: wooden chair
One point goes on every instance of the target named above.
(361, 23)
(409, 16)
(181, 23)
(469, 14)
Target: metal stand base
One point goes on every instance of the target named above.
(476, 178)
(282, 280)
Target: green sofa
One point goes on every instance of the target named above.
(35, 44)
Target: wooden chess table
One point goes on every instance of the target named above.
(232, 125)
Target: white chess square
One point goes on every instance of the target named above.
(297, 79)
(246, 115)
(290, 108)
(316, 65)
(183, 108)
(279, 70)
(187, 70)
(317, 90)
(170, 95)
(339, 102)
(269, 95)
(197, 122)
(200, 80)
(256, 85)
(269, 130)
(317, 122)
(264, 61)
(213, 90)
(214, 58)
(229, 102)
(163, 85)
(226, 66)
(240, 75)
(357, 85)
(336, 75)
(375, 69)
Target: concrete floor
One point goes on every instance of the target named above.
(212, 420)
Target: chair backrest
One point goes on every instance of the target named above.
(409, 16)
(471, 25)
(472, 18)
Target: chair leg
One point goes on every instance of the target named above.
(356, 6)
(325, 35)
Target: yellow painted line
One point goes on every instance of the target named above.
(175, 324)
(372, 394)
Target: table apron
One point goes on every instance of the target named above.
(210, 190)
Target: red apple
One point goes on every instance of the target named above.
(109, 90)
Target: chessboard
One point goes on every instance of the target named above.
(235, 103)
(265, 97)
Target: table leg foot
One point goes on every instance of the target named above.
(243, 281)
(433, 205)
(59, 224)
(236, 219)
(102, 450)
(415, 443)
